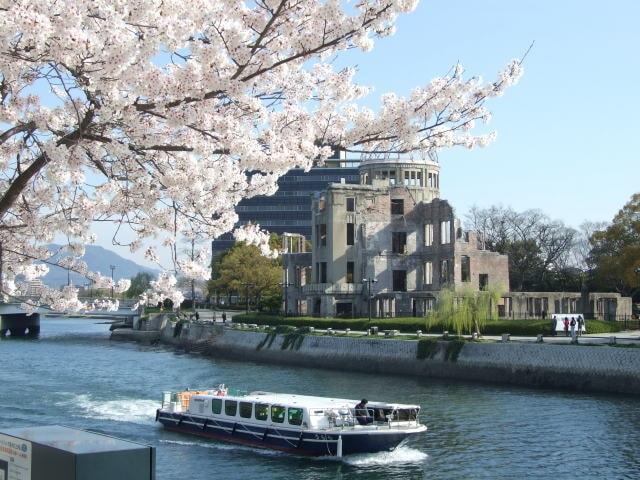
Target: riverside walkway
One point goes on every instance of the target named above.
(627, 337)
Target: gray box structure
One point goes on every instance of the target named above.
(62, 453)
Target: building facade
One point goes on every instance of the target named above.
(391, 240)
(289, 209)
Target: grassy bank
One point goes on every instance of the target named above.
(411, 324)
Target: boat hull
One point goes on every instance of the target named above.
(289, 440)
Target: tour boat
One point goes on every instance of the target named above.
(298, 424)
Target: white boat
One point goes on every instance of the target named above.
(300, 424)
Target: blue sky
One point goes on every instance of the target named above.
(567, 132)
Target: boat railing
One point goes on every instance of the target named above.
(351, 418)
(179, 401)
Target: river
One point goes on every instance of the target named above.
(74, 375)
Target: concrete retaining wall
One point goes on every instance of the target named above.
(588, 368)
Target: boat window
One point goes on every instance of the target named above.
(295, 416)
(245, 409)
(216, 406)
(404, 415)
(230, 408)
(262, 411)
(277, 414)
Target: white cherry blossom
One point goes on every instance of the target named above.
(159, 116)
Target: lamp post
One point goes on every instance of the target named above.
(246, 291)
(369, 281)
(112, 267)
(284, 285)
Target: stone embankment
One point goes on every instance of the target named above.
(578, 367)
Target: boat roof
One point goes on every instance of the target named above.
(309, 401)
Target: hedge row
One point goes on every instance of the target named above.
(411, 324)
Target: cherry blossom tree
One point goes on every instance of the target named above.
(158, 116)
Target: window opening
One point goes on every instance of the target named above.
(445, 232)
(350, 271)
(230, 408)
(261, 411)
(428, 234)
(351, 233)
(465, 268)
(444, 272)
(483, 280)
(246, 409)
(351, 204)
(277, 414)
(295, 416)
(397, 206)
(399, 280)
(428, 273)
(399, 242)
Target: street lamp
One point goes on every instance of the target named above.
(246, 287)
(369, 281)
(286, 302)
(112, 267)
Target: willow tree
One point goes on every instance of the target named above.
(466, 310)
(156, 117)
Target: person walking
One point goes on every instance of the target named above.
(566, 326)
(554, 325)
(224, 317)
(573, 328)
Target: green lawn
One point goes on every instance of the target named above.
(411, 324)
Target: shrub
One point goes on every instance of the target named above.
(529, 327)
(600, 326)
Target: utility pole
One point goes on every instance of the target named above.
(112, 267)
(369, 281)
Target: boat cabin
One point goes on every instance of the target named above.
(290, 411)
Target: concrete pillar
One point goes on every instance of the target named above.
(20, 325)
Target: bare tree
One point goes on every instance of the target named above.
(539, 248)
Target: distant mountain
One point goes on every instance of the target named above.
(98, 260)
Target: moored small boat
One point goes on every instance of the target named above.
(299, 424)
